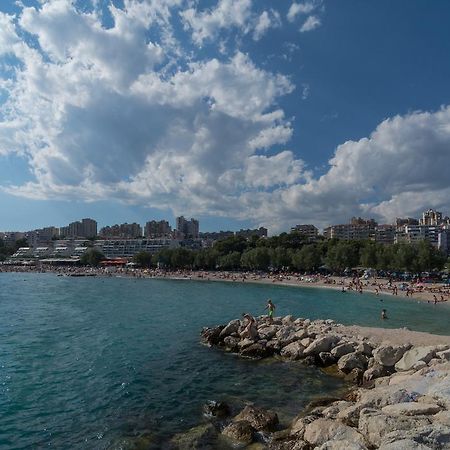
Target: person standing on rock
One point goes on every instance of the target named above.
(270, 309)
(250, 328)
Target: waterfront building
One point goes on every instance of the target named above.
(357, 229)
(307, 230)
(385, 234)
(86, 228)
(444, 241)
(216, 235)
(127, 248)
(415, 233)
(157, 229)
(431, 217)
(260, 232)
(124, 230)
(188, 229)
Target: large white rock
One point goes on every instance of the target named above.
(433, 436)
(231, 327)
(385, 395)
(295, 350)
(444, 355)
(411, 409)
(404, 444)
(388, 355)
(374, 425)
(413, 356)
(341, 445)
(324, 430)
(322, 344)
(352, 361)
(343, 349)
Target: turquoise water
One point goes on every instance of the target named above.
(98, 362)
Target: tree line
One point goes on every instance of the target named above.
(8, 249)
(292, 251)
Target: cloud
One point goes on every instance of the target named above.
(108, 113)
(311, 23)
(207, 24)
(266, 21)
(297, 9)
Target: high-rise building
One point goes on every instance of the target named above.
(307, 230)
(189, 229)
(357, 229)
(431, 217)
(124, 230)
(87, 228)
(157, 229)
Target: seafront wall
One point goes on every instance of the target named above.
(401, 398)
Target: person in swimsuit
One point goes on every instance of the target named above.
(270, 309)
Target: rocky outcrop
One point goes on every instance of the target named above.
(406, 404)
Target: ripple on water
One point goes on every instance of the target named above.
(86, 363)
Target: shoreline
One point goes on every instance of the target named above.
(427, 292)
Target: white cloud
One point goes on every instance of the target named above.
(311, 23)
(267, 20)
(109, 114)
(207, 24)
(297, 9)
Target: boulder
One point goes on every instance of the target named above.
(259, 418)
(326, 359)
(404, 444)
(299, 425)
(293, 351)
(343, 349)
(355, 376)
(413, 356)
(212, 335)
(306, 341)
(257, 350)
(365, 348)
(287, 320)
(374, 425)
(286, 335)
(385, 395)
(388, 355)
(342, 445)
(352, 361)
(445, 355)
(323, 344)
(442, 418)
(376, 371)
(240, 431)
(202, 436)
(350, 415)
(332, 411)
(214, 408)
(411, 409)
(433, 436)
(230, 328)
(267, 332)
(231, 343)
(325, 430)
(245, 343)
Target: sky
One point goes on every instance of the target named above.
(240, 113)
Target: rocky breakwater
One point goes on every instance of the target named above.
(401, 399)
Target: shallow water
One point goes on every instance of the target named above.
(91, 362)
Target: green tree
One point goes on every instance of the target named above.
(280, 258)
(256, 259)
(368, 254)
(92, 257)
(143, 259)
(182, 258)
(231, 261)
(342, 255)
(308, 258)
(231, 244)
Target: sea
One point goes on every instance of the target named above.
(114, 363)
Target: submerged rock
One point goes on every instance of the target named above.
(259, 418)
(240, 431)
(202, 436)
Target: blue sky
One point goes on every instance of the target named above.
(241, 113)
